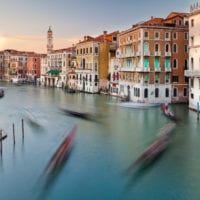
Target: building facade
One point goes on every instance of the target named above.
(56, 64)
(194, 57)
(93, 62)
(151, 60)
(33, 66)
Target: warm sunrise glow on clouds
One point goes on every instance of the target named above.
(25, 27)
(30, 43)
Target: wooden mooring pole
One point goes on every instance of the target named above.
(22, 128)
(14, 134)
(1, 142)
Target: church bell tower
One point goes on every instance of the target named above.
(49, 40)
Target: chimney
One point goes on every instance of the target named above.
(151, 17)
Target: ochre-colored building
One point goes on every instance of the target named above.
(93, 61)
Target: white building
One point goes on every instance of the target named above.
(56, 65)
(194, 57)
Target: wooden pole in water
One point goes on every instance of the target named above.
(14, 134)
(1, 142)
(22, 128)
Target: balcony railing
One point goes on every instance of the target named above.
(168, 69)
(157, 69)
(142, 69)
(168, 54)
(127, 69)
(192, 73)
(138, 53)
(146, 53)
(157, 53)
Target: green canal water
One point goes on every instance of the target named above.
(102, 150)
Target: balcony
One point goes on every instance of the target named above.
(157, 69)
(142, 69)
(168, 69)
(129, 54)
(138, 53)
(127, 69)
(168, 54)
(192, 73)
(146, 53)
(157, 53)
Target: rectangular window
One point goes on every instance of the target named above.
(96, 50)
(186, 35)
(186, 79)
(185, 64)
(186, 48)
(174, 35)
(146, 34)
(175, 92)
(174, 63)
(166, 35)
(175, 79)
(191, 82)
(192, 41)
(156, 35)
(185, 92)
(90, 49)
(192, 22)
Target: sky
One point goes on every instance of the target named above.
(24, 23)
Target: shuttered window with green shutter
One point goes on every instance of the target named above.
(157, 63)
(146, 62)
(167, 63)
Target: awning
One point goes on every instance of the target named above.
(54, 71)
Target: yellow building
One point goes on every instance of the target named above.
(93, 60)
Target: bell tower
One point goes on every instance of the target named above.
(49, 40)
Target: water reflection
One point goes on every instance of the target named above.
(102, 150)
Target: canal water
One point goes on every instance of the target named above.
(102, 150)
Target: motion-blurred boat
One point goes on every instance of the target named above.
(83, 115)
(59, 156)
(1, 93)
(155, 149)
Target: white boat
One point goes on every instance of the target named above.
(138, 105)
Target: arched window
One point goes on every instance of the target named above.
(156, 47)
(174, 48)
(83, 63)
(167, 47)
(192, 63)
(145, 93)
(156, 92)
(175, 92)
(167, 92)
